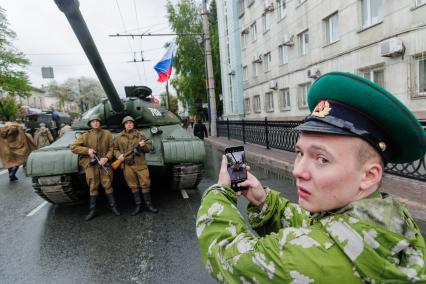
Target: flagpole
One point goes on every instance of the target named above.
(167, 94)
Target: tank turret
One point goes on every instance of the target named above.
(177, 156)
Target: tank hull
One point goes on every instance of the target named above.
(177, 161)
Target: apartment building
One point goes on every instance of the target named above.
(230, 59)
(286, 45)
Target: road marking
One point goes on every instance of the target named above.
(3, 172)
(35, 210)
(184, 194)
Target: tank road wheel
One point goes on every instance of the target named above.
(60, 190)
(186, 176)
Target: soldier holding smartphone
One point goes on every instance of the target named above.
(343, 229)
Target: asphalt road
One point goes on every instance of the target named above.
(55, 245)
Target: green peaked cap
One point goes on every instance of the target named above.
(346, 104)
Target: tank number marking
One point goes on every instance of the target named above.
(155, 112)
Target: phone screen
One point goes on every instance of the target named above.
(236, 166)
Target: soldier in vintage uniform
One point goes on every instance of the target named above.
(130, 147)
(343, 229)
(64, 128)
(95, 150)
(15, 147)
(43, 137)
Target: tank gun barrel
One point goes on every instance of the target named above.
(71, 10)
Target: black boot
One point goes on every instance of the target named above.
(112, 204)
(92, 208)
(148, 204)
(138, 203)
(12, 173)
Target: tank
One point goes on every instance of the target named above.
(177, 155)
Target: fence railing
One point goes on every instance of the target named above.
(281, 135)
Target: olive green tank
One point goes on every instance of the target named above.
(177, 156)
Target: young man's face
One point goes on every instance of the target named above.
(327, 171)
(95, 124)
(129, 125)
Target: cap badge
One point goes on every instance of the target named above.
(382, 146)
(322, 109)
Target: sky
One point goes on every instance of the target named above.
(45, 36)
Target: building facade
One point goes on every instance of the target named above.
(41, 100)
(286, 45)
(230, 59)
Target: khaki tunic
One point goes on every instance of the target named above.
(42, 137)
(64, 129)
(137, 174)
(15, 145)
(101, 141)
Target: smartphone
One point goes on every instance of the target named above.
(236, 166)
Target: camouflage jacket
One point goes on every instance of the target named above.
(99, 140)
(373, 240)
(125, 141)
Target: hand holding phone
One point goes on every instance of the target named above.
(236, 166)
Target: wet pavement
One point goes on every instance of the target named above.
(56, 245)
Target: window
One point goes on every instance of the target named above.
(243, 40)
(376, 75)
(247, 105)
(282, 8)
(253, 31)
(269, 102)
(303, 95)
(241, 6)
(266, 22)
(421, 84)
(283, 50)
(255, 69)
(256, 104)
(420, 2)
(285, 99)
(372, 12)
(331, 28)
(245, 73)
(268, 62)
(303, 40)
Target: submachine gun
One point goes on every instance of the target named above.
(135, 150)
(96, 161)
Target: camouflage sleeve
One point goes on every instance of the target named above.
(116, 146)
(78, 146)
(276, 213)
(231, 253)
(110, 153)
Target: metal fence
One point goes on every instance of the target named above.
(281, 135)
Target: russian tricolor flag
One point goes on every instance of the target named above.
(164, 66)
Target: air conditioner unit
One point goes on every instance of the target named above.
(273, 84)
(269, 7)
(288, 40)
(257, 58)
(392, 47)
(313, 73)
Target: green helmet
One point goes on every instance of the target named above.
(127, 118)
(94, 117)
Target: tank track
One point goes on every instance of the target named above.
(186, 176)
(56, 189)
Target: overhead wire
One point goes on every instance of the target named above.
(128, 40)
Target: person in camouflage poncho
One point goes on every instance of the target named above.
(343, 230)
